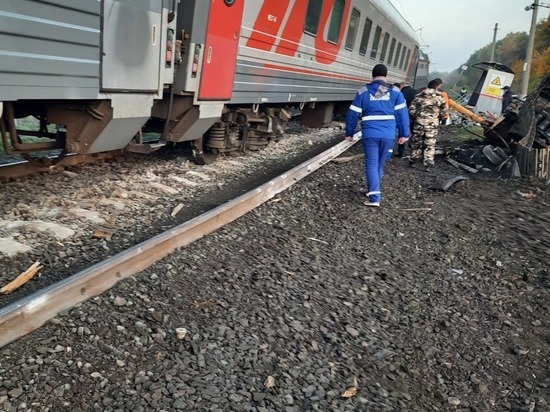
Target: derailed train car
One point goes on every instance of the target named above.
(91, 69)
(222, 74)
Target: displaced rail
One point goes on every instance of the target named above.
(28, 314)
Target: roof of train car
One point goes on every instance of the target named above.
(393, 14)
(423, 56)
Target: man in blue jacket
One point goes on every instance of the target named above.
(381, 108)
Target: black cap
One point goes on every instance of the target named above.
(379, 70)
(506, 87)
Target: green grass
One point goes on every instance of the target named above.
(468, 133)
(32, 124)
(29, 123)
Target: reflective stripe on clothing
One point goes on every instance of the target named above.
(379, 117)
(378, 114)
(401, 106)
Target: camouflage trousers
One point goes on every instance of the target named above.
(423, 144)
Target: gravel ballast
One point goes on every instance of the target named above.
(74, 217)
(433, 302)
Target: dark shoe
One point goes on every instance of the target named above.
(429, 167)
(400, 150)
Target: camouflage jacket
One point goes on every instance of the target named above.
(427, 108)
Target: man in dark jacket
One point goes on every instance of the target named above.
(506, 98)
(381, 108)
(409, 93)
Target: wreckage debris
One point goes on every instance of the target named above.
(496, 155)
(542, 124)
(528, 196)
(516, 171)
(523, 129)
(21, 279)
(339, 160)
(461, 165)
(447, 184)
(529, 125)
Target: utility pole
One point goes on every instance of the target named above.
(494, 44)
(464, 67)
(530, 45)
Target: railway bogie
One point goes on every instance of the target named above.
(246, 129)
(223, 74)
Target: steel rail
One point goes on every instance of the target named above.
(28, 314)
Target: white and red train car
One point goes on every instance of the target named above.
(303, 51)
(222, 74)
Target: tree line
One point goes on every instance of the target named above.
(510, 51)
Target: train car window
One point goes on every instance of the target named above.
(376, 42)
(313, 16)
(397, 54)
(402, 57)
(392, 49)
(336, 21)
(352, 29)
(365, 38)
(385, 47)
(408, 58)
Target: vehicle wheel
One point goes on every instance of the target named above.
(201, 155)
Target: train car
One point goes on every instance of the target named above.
(422, 73)
(221, 74)
(312, 55)
(88, 70)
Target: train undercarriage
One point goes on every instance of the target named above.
(238, 129)
(75, 126)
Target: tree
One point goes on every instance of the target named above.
(542, 38)
(512, 48)
(541, 64)
(510, 51)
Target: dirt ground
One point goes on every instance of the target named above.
(436, 301)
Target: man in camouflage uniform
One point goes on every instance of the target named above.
(427, 109)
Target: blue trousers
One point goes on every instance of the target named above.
(376, 149)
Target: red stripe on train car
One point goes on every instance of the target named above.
(267, 24)
(293, 31)
(315, 73)
(220, 50)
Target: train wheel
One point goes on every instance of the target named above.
(200, 154)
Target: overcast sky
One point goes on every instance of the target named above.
(454, 29)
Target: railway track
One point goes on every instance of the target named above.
(23, 316)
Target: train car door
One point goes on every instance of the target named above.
(131, 45)
(220, 50)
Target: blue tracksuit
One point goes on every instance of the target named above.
(382, 108)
